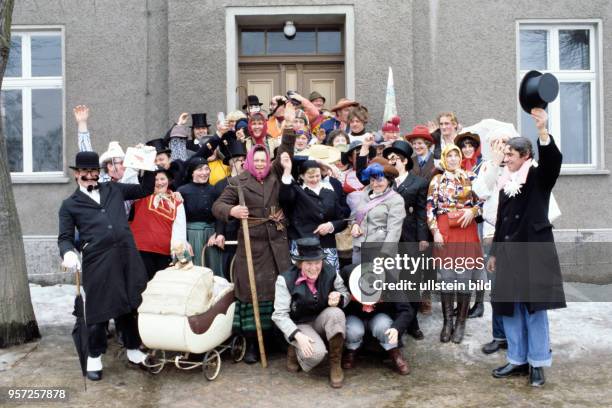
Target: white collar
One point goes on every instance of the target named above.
(93, 194)
(400, 179)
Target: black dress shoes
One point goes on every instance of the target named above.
(536, 376)
(252, 351)
(94, 375)
(494, 346)
(510, 370)
(416, 333)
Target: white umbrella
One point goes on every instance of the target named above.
(487, 128)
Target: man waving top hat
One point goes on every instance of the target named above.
(113, 273)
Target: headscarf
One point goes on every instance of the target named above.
(468, 164)
(249, 164)
(459, 173)
(264, 131)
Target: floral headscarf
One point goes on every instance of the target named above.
(458, 172)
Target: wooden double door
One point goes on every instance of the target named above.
(267, 80)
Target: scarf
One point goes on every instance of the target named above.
(511, 182)
(458, 173)
(468, 164)
(264, 131)
(249, 164)
(311, 283)
(363, 210)
(167, 197)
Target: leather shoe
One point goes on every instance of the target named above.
(417, 334)
(510, 370)
(494, 346)
(399, 363)
(94, 375)
(536, 376)
(252, 352)
(476, 311)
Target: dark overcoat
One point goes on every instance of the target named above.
(414, 192)
(113, 273)
(269, 244)
(527, 265)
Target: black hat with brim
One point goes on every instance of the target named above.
(402, 148)
(309, 249)
(86, 160)
(160, 146)
(252, 100)
(537, 90)
(231, 147)
(198, 120)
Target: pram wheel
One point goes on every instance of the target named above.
(211, 364)
(155, 361)
(238, 348)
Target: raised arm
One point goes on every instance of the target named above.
(81, 115)
(136, 191)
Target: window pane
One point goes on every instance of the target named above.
(329, 42)
(529, 130)
(12, 126)
(47, 129)
(574, 49)
(534, 49)
(252, 43)
(304, 42)
(13, 66)
(575, 99)
(46, 55)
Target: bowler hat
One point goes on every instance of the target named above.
(537, 90)
(198, 120)
(86, 160)
(251, 101)
(309, 249)
(400, 147)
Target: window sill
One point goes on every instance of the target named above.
(43, 178)
(584, 172)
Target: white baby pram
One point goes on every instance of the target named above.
(187, 312)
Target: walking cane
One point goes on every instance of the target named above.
(252, 284)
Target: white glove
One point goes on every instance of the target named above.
(71, 261)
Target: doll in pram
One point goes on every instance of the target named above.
(186, 318)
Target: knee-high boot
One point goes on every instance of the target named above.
(447, 313)
(463, 304)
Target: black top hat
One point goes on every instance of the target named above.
(309, 249)
(537, 90)
(231, 147)
(198, 120)
(86, 160)
(159, 145)
(251, 100)
(400, 147)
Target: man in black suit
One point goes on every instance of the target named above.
(113, 273)
(528, 275)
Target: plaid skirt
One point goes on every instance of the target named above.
(244, 320)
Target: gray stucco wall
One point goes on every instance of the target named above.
(116, 63)
(138, 68)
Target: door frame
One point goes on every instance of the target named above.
(232, 41)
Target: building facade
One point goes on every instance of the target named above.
(139, 63)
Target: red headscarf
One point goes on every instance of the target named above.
(249, 164)
(258, 140)
(469, 164)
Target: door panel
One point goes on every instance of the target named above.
(267, 80)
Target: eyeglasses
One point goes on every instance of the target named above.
(89, 170)
(115, 162)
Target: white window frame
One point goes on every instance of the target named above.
(26, 83)
(594, 75)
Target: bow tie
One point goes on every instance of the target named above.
(92, 188)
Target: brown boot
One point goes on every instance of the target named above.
(425, 305)
(336, 376)
(401, 365)
(447, 312)
(292, 362)
(348, 359)
(463, 305)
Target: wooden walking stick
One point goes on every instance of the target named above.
(252, 284)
